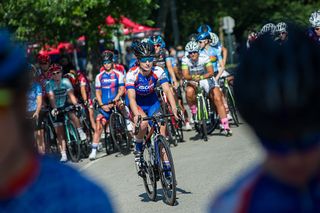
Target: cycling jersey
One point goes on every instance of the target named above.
(48, 186)
(34, 92)
(257, 191)
(43, 79)
(161, 57)
(214, 56)
(199, 68)
(218, 47)
(109, 83)
(313, 36)
(79, 80)
(120, 68)
(144, 85)
(60, 91)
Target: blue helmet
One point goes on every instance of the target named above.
(157, 40)
(13, 62)
(202, 36)
(204, 28)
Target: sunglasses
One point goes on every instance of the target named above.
(317, 28)
(145, 59)
(56, 73)
(157, 45)
(107, 62)
(283, 33)
(201, 41)
(193, 52)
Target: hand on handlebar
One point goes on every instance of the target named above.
(54, 112)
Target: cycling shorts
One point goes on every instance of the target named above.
(103, 116)
(208, 84)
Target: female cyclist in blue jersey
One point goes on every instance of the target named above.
(140, 84)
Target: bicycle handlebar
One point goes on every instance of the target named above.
(151, 118)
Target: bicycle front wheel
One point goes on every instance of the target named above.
(166, 171)
(73, 142)
(232, 107)
(119, 133)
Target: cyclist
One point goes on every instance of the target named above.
(162, 58)
(252, 36)
(109, 85)
(116, 64)
(58, 90)
(273, 96)
(197, 67)
(34, 104)
(82, 91)
(281, 32)
(314, 31)
(140, 83)
(43, 76)
(30, 183)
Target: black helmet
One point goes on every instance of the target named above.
(144, 50)
(277, 89)
(107, 55)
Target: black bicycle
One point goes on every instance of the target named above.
(157, 162)
(228, 94)
(85, 145)
(118, 139)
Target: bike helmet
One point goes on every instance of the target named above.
(204, 28)
(279, 97)
(281, 27)
(134, 44)
(145, 40)
(144, 50)
(268, 29)
(107, 55)
(54, 67)
(203, 36)
(13, 63)
(315, 19)
(192, 46)
(43, 59)
(214, 39)
(157, 40)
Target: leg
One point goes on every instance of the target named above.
(91, 116)
(40, 142)
(75, 120)
(100, 125)
(61, 142)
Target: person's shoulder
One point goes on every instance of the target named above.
(60, 179)
(158, 70)
(185, 60)
(65, 81)
(231, 198)
(204, 57)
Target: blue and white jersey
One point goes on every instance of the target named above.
(144, 86)
(109, 83)
(258, 191)
(34, 92)
(214, 55)
(60, 90)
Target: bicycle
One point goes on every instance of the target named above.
(155, 149)
(50, 137)
(72, 136)
(88, 130)
(173, 126)
(228, 94)
(206, 116)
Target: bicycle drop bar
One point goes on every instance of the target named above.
(151, 118)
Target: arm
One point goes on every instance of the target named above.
(72, 97)
(171, 72)
(39, 104)
(209, 69)
(98, 96)
(83, 93)
(220, 70)
(121, 92)
(52, 100)
(133, 103)
(167, 91)
(186, 73)
(224, 56)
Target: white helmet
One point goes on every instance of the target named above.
(145, 40)
(268, 28)
(214, 39)
(281, 27)
(192, 46)
(315, 19)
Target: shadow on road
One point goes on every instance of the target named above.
(145, 197)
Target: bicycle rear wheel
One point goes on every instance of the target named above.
(171, 133)
(86, 145)
(166, 171)
(73, 143)
(232, 107)
(119, 133)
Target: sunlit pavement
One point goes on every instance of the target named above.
(202, 169)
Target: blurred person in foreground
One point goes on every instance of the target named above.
(28, 182)
(280, 99)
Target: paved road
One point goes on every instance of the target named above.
(202, 168)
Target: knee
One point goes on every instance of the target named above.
(190, 91)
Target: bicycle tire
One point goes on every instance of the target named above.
(50, 140)
(213, 117)
(169, 191)
(149, 180)
(232, 107)
(73, 146)
(203, 122)
(171, 133)
(119, 137)
(86, 145)
(108, 142)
